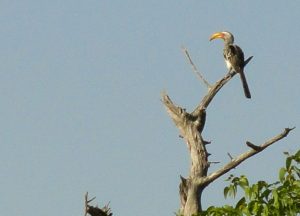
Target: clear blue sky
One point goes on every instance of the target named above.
(80, 85)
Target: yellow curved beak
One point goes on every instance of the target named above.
(216, 35)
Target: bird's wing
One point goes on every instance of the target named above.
(235, 56)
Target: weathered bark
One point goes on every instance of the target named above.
(190, 126)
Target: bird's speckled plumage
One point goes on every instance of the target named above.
(234, 57)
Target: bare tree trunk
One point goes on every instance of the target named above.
(190, 126)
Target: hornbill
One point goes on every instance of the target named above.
(234, 57)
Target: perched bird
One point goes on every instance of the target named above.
(234, 57)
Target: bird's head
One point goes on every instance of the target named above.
(225, 35)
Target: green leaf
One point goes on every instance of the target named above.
(243, 182)
(255, 208)
(226, 189)
(241, 203)
(232, 191)
(263, 198)
(235, 180)
(297, 170)
(288, 162)
(275, 196)
(282, 172)
(254, 191)
(266, 210)
(248, 192)
(261, 185)
(251, 206)
(297, 155)
(297, 184)
(265, 194)
(297, 159)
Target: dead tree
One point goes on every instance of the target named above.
(190, 126)
(95, 210)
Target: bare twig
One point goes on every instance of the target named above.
(206, 142)
(229, 155)
(195, 70)
(214, 162)
(254, 147)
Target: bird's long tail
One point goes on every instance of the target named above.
(245, 85)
